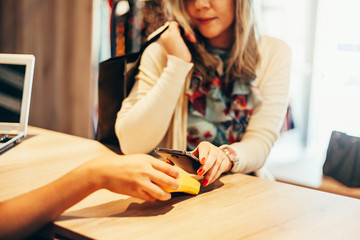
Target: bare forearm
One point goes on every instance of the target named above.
(140, 176)
(27, 213)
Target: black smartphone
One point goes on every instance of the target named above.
(189, 44)
(183, 159)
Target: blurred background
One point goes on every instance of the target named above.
(69, 38)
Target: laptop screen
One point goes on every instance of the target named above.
(16, 75)
(11, 91)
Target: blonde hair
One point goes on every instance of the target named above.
(244, 56)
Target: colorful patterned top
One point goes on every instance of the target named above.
(216, 115)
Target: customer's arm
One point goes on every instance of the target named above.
(139, 176)
(145, 115)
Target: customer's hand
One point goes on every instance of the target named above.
(140, 175)
(174, 44)
(213, 161)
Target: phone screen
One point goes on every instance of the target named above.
(183, 159)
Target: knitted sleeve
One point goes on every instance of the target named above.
(265, 122)
(145, 115)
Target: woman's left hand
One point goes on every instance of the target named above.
(213, 161)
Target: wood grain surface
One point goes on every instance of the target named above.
(236, 206)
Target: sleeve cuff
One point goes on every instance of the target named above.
(178, 63)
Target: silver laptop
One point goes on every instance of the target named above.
(16, 75)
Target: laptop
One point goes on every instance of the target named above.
(16, 75)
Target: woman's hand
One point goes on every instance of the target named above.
(141, 176)
(174, 44)
(213, 160)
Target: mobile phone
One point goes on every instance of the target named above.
(183, 159)
(189, 44)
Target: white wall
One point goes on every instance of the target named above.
(336, 83)
(294, 22)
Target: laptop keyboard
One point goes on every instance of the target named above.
(4, 140)
(5, 137)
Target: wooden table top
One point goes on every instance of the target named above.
(236, 206)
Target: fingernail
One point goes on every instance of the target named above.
(168, 197)
(170, 162)
(200, 171)
(204, 182)
(202, 161)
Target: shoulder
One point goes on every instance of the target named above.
(275, 60)
(275, 55)
(270, 47)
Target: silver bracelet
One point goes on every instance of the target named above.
(231, 154)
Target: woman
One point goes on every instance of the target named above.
(225, 98)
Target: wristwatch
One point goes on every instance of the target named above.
(231, 154)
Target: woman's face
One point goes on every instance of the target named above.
(214, 20)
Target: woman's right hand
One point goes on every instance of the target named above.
(174, 44)
(141, 176)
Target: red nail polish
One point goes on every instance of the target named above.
(170, 162)
(204, 182)
(202, 161)
(200, 171)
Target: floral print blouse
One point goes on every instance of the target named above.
(214, 115)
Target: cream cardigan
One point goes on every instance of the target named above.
(155, 112)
